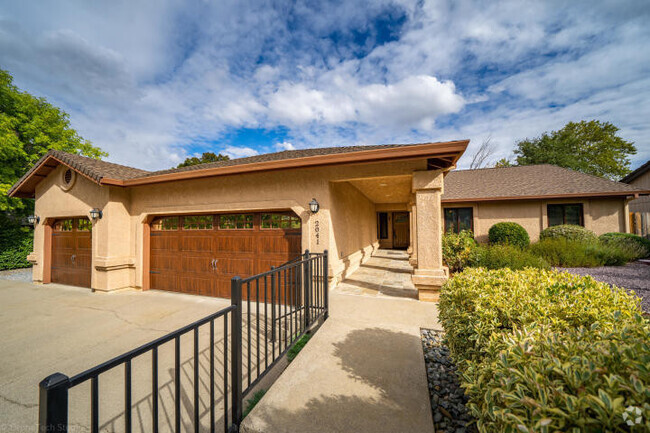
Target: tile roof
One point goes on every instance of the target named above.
(543, 180)
(277, 156)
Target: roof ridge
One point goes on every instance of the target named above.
(55, 152)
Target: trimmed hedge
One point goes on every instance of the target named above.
(546, 351)
(628, 240)
(457, 249)
(508, 233)
(14, 250)
(505, 256)
(569, 232)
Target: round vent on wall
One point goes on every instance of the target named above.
(67, 179)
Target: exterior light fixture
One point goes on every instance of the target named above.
(32, 220)
(314, 206)
(95, 214)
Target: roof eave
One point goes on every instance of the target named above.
(548, 196)
(453, 149)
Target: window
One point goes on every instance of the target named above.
(565, 214)
(458, 219)
(165, 223)
(84, 225)
(63, 225)
(236, 222)
(382, 225)
(280, 221)
(197, 222)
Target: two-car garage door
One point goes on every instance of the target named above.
(200, 254)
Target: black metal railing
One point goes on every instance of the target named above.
(269, 312)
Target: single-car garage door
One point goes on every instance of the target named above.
(72, 251)
(200, 254)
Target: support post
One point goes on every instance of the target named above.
(273, 306)
(326, 285)
(236, 345)
(307, 287)
(53, 404)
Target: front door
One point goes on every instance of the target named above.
(72, 251)
(401, 230)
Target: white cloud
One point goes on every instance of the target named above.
(239, 152)
(147, 80)
(285, 145)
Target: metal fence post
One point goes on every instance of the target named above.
(273, 306)
(53, 404)
(307, 287)
(326, 286)
(236, 345)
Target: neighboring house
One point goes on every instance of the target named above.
(640, 208)
(535, 196)
(192, 229)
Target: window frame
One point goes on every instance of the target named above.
(236, 215)
(563, 207)
(471, 218)
(281, 215)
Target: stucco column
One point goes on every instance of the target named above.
(413, 259)
(430, 274)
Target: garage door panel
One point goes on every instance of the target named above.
(165, 262)
(164, 242)
(233, 243)
(195, 264)
(193, 243)
(164, 281)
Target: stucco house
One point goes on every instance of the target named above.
(640, 207)
(191, 229)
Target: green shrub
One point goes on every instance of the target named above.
(505, 256)
(570, 253)
(581, 380)
(547, 351)
(509, 233)
(457, 249)
(479, 303)
(635, 243)
(569, 232)
(13, 253)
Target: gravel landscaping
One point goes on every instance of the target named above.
(633, 276)
(17, 275)
(448, 399)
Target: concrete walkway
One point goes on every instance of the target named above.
(363, 371)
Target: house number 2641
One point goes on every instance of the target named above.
(317, 231)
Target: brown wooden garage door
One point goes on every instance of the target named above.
(72, 251)
(199, 254)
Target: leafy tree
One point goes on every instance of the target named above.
(29, 127)
(590, 147)
(206, 157)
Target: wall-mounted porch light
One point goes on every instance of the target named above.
(32, 220)
(95, 214)
(314, 206)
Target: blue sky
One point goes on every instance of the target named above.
(153, 82)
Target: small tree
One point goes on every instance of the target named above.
(29, 127)
(590, 147)
(206, 157)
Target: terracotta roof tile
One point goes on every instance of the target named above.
(526, 181)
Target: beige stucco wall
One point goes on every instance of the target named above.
(641, 204)
(601, 215)
(345, 225)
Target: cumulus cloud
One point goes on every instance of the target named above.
(239, 152)
(153, 82)
(285, 145)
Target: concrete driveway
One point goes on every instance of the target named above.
(52, 328)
